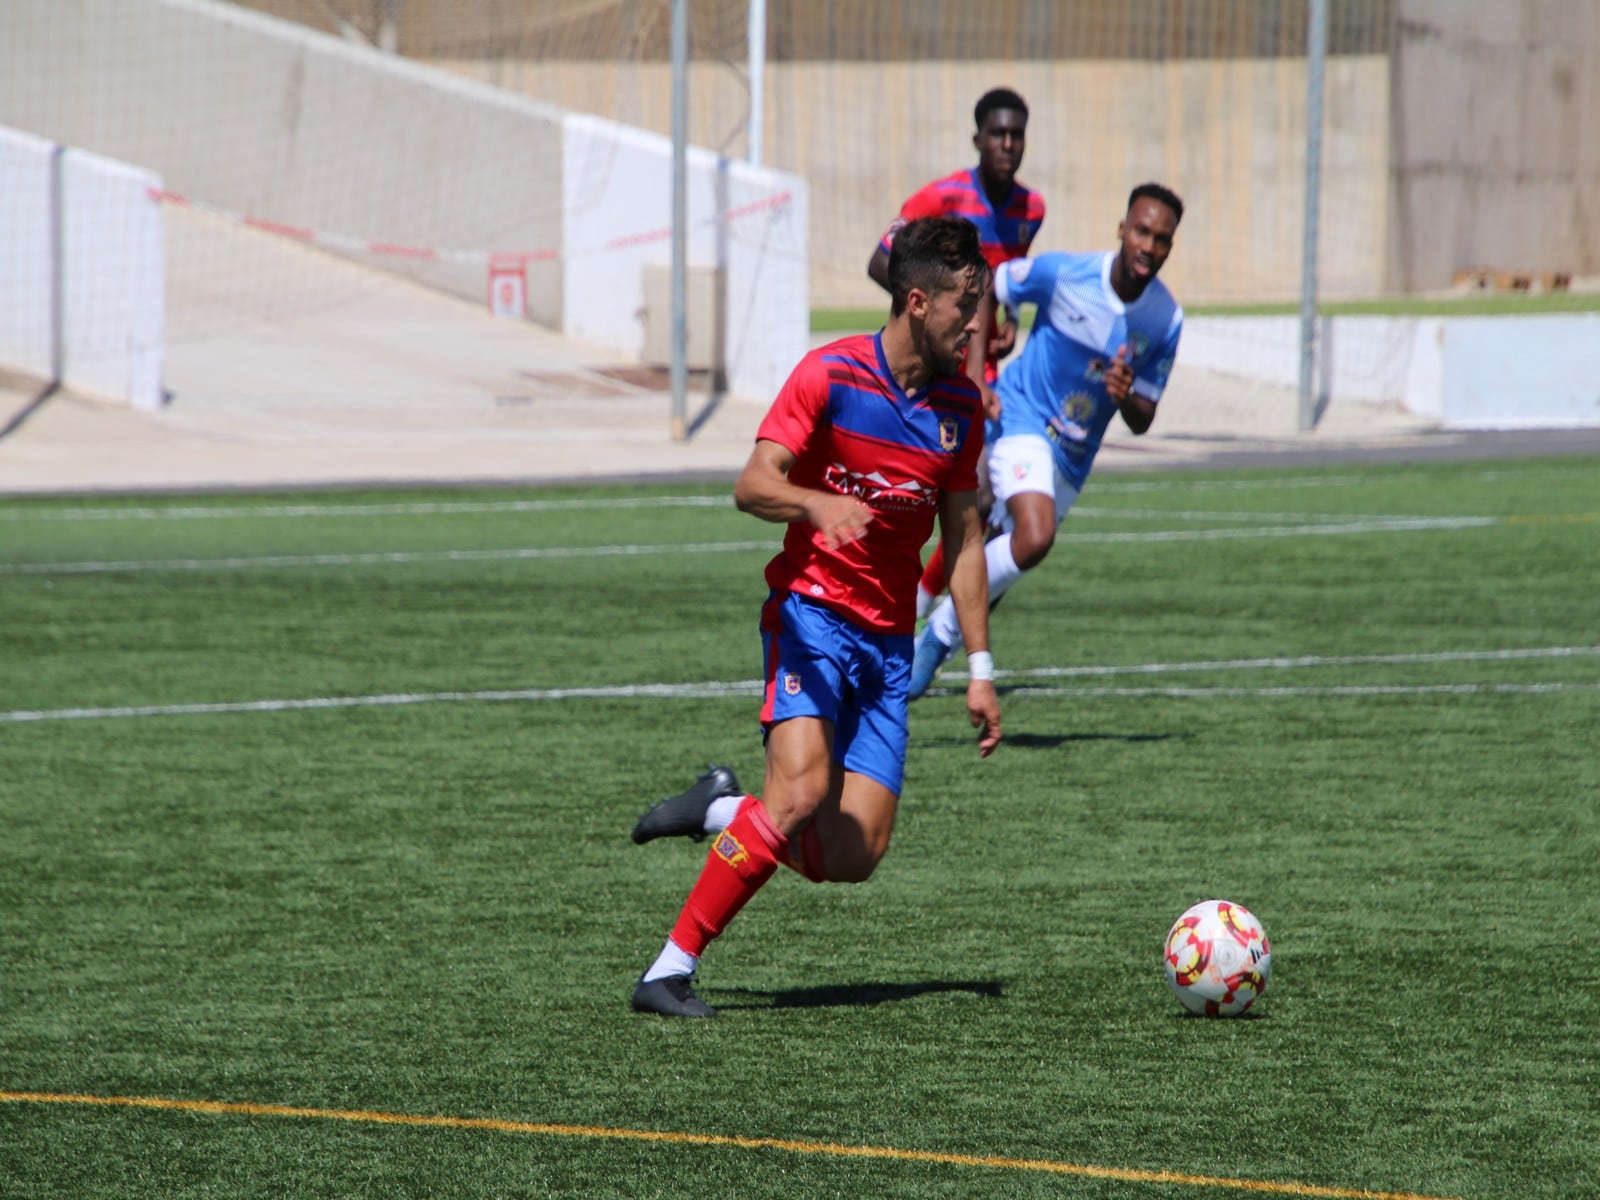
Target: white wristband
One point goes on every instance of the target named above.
(980, 665)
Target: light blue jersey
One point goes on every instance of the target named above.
(1056, 387)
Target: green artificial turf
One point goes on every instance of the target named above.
(1510, 304)
(321, 802)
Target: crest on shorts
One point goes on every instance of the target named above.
(949, 434)
(729, 849)
(791, 684)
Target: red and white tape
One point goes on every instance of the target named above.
(355, 245)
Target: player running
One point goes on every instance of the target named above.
(1104, 338)
(871, 438)
(1007, 214)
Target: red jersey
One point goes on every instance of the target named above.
(854, 431)
(1004, 233)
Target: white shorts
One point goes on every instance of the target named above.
(1024, 462)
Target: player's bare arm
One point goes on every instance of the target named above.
(1004, 340)
(878, 264)
(961, 531)
(878, 268)
(763, 490)
(1139, 412)
(977, 352)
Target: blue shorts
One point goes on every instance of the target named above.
(821, 664)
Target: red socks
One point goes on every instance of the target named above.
(743, 857)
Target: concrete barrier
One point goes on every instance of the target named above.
(747, 226)
(411, 169)
(1524, 372)
(81, 243)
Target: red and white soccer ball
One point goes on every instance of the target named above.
(1217, 958)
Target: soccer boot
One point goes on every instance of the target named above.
(670, 996)
(685, 814)
(925, 663)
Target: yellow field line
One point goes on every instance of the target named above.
(1125, 1174)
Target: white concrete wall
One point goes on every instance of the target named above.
(1522, 372)
(745, 222)
(1525, 372)
(264, 117)
(111, 304)
(26, 304)
(269, 120)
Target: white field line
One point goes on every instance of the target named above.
(1290, 664)
(1080, 511)
(1358, 525)
(1127, 487)
(379, 558)
(399, 557)
(744, 688)
(1267, 693)
(412, 509)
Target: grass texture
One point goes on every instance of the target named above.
(315, 878)
(1471, 304)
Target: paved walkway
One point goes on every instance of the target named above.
(380, 381)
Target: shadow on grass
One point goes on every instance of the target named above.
(852, 995)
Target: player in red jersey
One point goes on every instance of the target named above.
(872, 438)
(1007, 214)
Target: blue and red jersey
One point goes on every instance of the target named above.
(854, 431)
(1004, 233)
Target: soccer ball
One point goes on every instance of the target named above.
(1217, 958)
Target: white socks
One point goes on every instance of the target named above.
(1003, 572)
(722, 811)
(672, 961)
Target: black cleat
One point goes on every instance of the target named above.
(685, 814)
(670, 996)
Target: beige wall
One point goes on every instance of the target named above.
(1496, 137)
(1473, 142)
(1226, 134)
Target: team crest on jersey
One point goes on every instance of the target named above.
(949, 434)
(1025, 230)
(791, 684)
(1138, 343)
(729, 849)
(1077, 411)
(1078, 408)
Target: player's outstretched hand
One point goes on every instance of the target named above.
(983, 710)
(840, 519)
(1119, 376)
(1003, 341)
